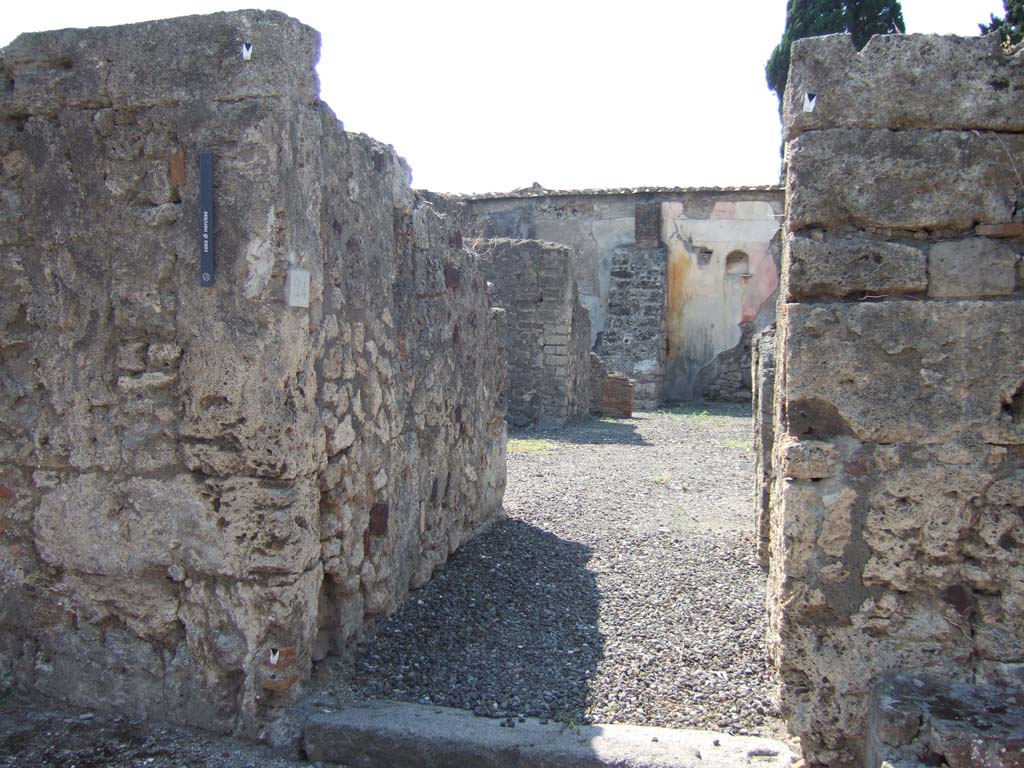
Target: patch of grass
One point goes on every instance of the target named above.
(663, 478)
(736, 443)
(529, 445)
(684, 412)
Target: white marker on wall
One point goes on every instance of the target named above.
(246, 51)
(810, 99)
(297, 287)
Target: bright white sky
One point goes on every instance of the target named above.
(482, 96)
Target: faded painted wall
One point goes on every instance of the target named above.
(721, 275)
(601, 227)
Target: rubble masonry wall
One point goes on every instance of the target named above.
(548, 330)
(193, 477)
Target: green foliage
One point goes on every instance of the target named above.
(736, 443)
(686, 412)
(1009, 27)
(807, 18)
(529, 445)
(868, 18)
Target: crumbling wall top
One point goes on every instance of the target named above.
(891, 83)
(202, 58)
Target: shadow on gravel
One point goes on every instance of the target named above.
(592, 431)
(507, 628)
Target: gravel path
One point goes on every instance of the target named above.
(622, 588)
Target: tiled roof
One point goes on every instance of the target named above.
(539, 191)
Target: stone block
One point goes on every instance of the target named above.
(851, 266)
(402, 735)
(915, 523)
(892, 83)
(159, 523)
(156, 524)
(897, 372)
(917, 718)
(808, 460)
(909, 179)
(972, 267)
(70, 69)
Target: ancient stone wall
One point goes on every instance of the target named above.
(633, 339)
(700, 260)
(762, 374)
(548, 330)
(897, 541)
(203, 489)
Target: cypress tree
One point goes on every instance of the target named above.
(873, 17)
(807, 18)
(1011, 26)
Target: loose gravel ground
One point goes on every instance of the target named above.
(623, 588)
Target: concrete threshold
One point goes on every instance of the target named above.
(386, 734)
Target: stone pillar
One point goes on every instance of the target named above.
(896, 538)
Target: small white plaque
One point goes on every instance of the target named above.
(297, 287)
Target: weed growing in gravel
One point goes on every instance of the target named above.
(663, 478)
(568, 722)
(517, 445)
(684, 412)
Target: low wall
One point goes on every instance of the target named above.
(548, 330)
(896, 539)
(204, 489)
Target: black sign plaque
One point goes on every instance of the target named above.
(206, 217)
